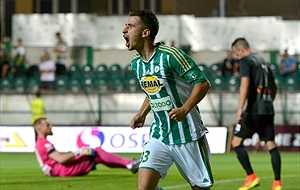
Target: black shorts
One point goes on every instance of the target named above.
(263, 125)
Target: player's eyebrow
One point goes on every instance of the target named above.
(129, 24)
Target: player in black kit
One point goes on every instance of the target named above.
(259, 89)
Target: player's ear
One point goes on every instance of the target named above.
(243, 50)
(146, 33)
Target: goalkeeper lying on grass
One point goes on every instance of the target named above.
(81, 162)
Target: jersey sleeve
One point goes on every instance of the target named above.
(185, 67)
(46, 147)
(244, 68)
(64, 47)
(21, 50)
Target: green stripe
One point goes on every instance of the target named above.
(155, 129)
(179, 59)
(186, 130)
(175, 132)
(205, 156)
(185, 64)
(166, 137)
(178, 56)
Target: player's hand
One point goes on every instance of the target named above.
(86, 151)
(177, 114)
(137, 122)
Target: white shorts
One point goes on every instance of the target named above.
(192, 160)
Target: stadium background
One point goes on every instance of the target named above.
(196, 26)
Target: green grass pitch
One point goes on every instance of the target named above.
(20, 171)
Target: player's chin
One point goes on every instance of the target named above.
(130, 48)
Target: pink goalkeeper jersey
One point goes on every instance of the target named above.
(80, 165)
(42, 148)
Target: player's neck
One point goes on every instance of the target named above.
(42, 136)
(248, 52)
(147, 52)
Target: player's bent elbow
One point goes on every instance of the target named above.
(59, 160)
(206, 86)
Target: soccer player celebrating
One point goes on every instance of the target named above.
(259, 89)
(173, 85)
(81, 162)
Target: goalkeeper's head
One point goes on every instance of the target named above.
(42, 127)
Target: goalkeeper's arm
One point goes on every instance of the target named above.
(67, 157)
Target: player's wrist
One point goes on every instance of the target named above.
(76, 153)
(86, 151)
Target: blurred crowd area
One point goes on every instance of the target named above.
(106, 77)
(117, 78)
(288, 9)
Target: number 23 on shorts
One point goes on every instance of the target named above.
(145, 156)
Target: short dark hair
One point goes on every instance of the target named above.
(149, 20)
(38, 94)
(57, 34)
(38, 121)
(240, 43)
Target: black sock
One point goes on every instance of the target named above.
(243, 157)
(276, 162)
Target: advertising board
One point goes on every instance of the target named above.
(111, 139)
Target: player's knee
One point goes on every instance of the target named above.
(236, 142)
(270, 145)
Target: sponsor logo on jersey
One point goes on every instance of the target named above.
(161, 104)
(192, 76)
(151, 84)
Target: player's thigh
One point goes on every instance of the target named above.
(147, 178)
(265, 128)
(156, 156)
(193, 161)
(236, 141)
(242, 130)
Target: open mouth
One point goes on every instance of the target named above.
(127, 41)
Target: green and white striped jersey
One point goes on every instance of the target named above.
(167, 79)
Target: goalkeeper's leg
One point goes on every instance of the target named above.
(113, 160)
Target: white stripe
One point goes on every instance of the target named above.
(152, 67)
(180, 127)
(137, 68)
(143, 74)
(158, 96)
(172, 98)
(163, 74)
(144, 69)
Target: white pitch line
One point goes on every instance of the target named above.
(224, 181)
